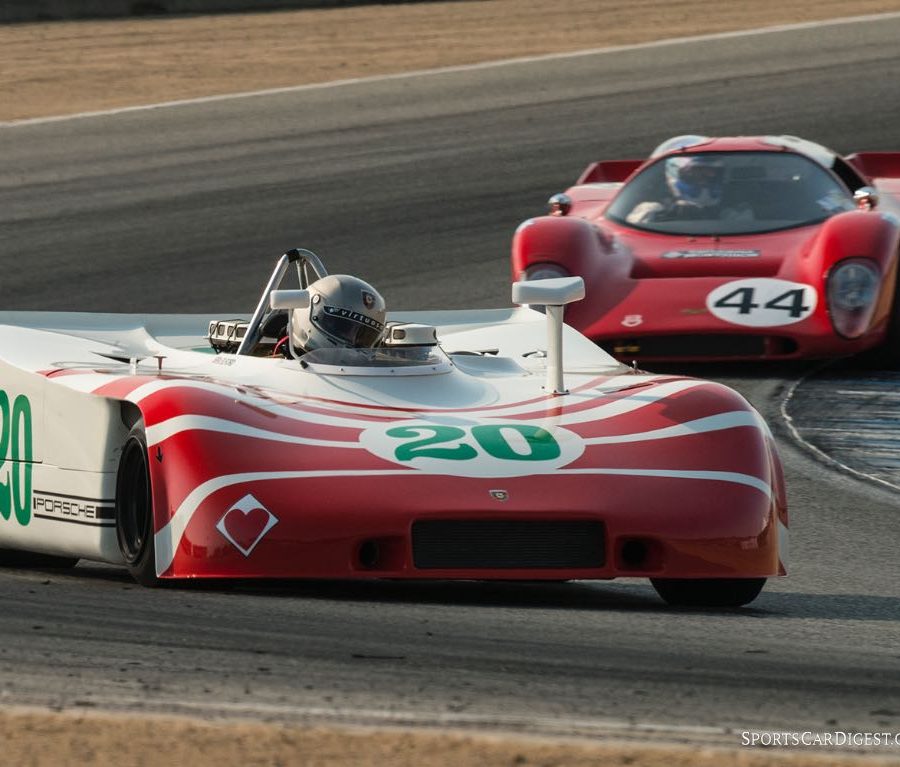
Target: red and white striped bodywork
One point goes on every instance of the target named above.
(262, 469)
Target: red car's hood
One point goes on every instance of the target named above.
(759, 255)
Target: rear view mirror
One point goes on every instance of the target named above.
(289, 299)
(554, 292)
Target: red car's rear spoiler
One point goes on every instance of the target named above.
(876, 164)
(609, 171)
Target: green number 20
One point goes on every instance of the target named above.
(16, 444)
(494, 439)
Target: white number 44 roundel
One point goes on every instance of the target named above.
(762, 303)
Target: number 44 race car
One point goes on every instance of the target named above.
(728, 248)
(460, 446)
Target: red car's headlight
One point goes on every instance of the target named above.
(852, 292)
(544, 271)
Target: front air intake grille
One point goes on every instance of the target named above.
(707, 345)
(507, 544)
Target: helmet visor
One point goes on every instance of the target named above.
(699, 182)
(347, 327)
(702, 173)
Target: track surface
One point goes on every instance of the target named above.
(416, 184)
(851, 416)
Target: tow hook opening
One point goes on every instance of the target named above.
(639, 554)
(368, 555)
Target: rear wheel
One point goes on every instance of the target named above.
(134, 509)
(708, 592)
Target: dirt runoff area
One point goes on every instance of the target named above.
(69, 67)
(58, 68)
(39, 740)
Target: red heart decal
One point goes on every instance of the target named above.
(245, 528)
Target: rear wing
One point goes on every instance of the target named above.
(609, 171)
(876, 164)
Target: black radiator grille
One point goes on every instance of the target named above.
(708, 345)
(507, 544)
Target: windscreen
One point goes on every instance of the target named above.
(720, 193)
(378, 360)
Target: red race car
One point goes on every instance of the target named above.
(466, 445)
(728, 248)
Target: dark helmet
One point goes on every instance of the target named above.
(696, 179)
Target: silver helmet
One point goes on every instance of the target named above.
(343, 311)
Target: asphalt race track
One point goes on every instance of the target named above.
(416, 184)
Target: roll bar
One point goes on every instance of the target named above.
(307, 263)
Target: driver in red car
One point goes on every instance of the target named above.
(694, 188)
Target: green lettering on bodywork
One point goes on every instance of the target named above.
(16, 458)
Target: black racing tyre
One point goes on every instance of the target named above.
(29, 559)
(708, 592)
(134, 509)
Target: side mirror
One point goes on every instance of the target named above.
(866, 198)
(559, 204)
(289, 299)
(557, 291)
(554, 294)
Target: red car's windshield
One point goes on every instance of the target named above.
(718, 193)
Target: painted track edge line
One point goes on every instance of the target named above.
(809, 447)
(773, 29)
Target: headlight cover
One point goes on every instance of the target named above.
(852, 291)
(544, 271)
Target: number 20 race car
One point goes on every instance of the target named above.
(463, 446)
(728, 248)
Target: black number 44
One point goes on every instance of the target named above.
(742, 299)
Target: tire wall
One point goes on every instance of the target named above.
(55, 10)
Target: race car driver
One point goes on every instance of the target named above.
(693, 190)
(344, 311)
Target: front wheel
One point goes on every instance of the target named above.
(134, 509)
(708, 592)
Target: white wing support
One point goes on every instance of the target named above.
(553, 294)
